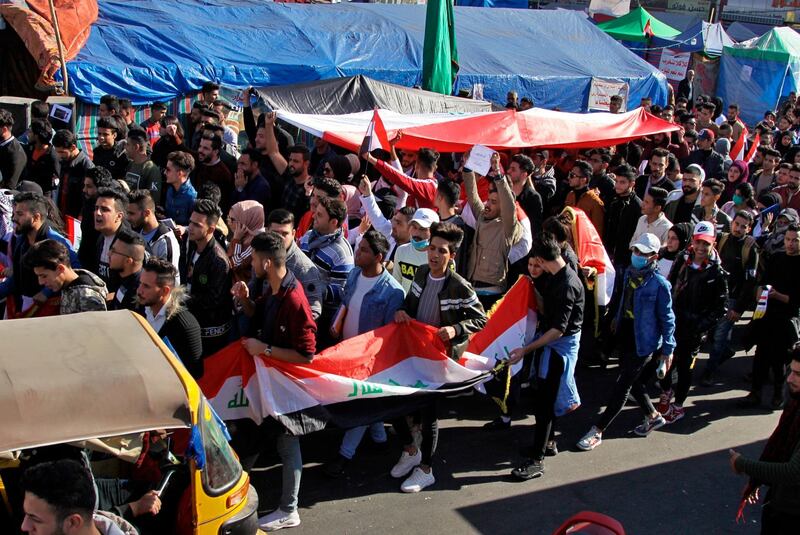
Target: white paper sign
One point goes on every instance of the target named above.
(674, 64)
(480, 159)
(601, 91)
(61, 113)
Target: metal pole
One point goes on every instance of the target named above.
(60, 43)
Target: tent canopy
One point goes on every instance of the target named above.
(631, 26)
(778, 44)
(506, 129)
(757, 73)
(739, 32)
(359, 93)
(701, 37)
(252, 42)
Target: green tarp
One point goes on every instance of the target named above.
(631, 26)
(778, 44)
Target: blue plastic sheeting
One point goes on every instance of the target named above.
(756, 85)
(149, 50)
(515, 4)
(702, 37)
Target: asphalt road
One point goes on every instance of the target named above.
(677, 480)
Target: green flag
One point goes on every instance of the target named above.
(440, 57)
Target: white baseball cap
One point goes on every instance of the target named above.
(647, 244)
(704, 231)
(425, 217)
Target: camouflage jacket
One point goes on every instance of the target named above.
(84, 294)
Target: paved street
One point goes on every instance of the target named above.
(676, 481)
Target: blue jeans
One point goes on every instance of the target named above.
(289, 450)
(352, 438)
(721, 350)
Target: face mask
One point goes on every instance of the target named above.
(419, 245)
(781, 227)
(639, 262)
(738, 199)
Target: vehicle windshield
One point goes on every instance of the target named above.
(222, 468)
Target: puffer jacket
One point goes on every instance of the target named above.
(458, 307)
(699, 295)
(86, 293)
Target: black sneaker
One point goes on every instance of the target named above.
(497, 425)
(551, 450)
(530, 469)
(707, 379)
(750, 401)
(337, 467)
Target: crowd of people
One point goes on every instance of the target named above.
(291, 248)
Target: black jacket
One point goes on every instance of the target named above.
(70, 193)
(125, 293)
(113, 159)
(711, 161)
(183, 332)
(44, 169)
(12, 163)
(685, 91)
(459, 307)
(531, 203)
(605, 185)
(699, 296)
(641, 185)
(210, 295)
(622, 216)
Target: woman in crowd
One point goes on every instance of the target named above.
(246, 220)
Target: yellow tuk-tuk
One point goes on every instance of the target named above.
(96, 375)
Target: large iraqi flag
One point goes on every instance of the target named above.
(376, 376)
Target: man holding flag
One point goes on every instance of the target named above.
(442, 298)
(284, 330)
(559, 338)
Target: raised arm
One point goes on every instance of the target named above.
(273, 151)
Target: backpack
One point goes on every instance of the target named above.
(749, 243)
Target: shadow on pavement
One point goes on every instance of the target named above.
(643, 508)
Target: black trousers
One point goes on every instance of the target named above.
(428, 418)
(774, 522)
(682, 367)
(635, 371)
(546, 394)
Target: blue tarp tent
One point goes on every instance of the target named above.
(701, 37)
(516, 4)
(757, 73)
(150, 50)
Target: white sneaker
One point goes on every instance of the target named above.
(591, 440)
(406, 463)
(278, 519)
(418, 480)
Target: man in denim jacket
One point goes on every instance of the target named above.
(370, 299)
(644, 327)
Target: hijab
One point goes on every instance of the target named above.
(730, 187)
(250, 215)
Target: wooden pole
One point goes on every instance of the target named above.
(54, 18)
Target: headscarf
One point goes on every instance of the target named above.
(683, 231)
(341, 168)
(730, 187)
(250, 216)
